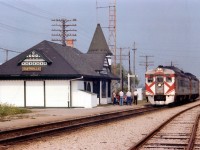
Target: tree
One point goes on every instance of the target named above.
(125, 78)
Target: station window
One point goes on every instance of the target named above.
(87, 86)
(103, 89)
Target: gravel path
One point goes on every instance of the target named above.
(119, 135)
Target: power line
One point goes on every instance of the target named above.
(63, 30)
(33, 7)
(26, 7)
(23, 10)
(8, 50)
(39, 10)
(12, 28)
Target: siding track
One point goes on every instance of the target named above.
(10, 137)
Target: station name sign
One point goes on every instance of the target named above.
(31, 68)
(34, 61)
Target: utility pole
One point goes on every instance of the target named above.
(134, 76)
(121, 81)
(7, 50)
(134, 50)
(63, 30)
(147, 63)
(129, 61)
(120, 66)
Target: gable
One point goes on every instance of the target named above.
(34, 61)
(106, 67)
(34, 58)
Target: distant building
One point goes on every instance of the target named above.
(52, 75)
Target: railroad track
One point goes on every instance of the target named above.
(178, 132)
(195, 138)
(14, 136)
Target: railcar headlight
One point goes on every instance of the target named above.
(159, 84)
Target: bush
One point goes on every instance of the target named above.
(7, 110)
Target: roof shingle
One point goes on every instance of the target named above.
(65, 62)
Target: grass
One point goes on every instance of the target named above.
(9, 110)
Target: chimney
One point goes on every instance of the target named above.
(70, 42)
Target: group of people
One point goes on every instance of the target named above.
(121, 98)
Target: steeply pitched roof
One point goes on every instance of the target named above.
(75, 59)
(95, 60)
(58, 67)
(61, 61)
(99, 44)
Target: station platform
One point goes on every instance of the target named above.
(47, 115)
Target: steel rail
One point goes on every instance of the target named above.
(22, 134)
(193, 135)
(151, 134)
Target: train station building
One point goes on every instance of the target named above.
(53, 75)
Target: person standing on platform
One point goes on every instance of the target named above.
(121, 94)
(114, 98)
(128, 95)
(135, 96)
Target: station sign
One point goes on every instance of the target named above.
(31, 68)
(34, 61)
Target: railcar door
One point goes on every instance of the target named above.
(159, 85)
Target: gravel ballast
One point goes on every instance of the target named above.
(119, 135)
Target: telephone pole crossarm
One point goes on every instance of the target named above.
(63, 32)
(146, 63)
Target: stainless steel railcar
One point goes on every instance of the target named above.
(168, 84)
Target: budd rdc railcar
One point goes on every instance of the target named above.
(170, 85)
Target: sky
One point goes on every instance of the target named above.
(167, 30)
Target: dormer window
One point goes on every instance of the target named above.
(109, 60)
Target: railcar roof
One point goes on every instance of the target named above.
(181, 72)
(175, 70)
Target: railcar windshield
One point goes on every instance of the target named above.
(168, 78)
(150, 79)
(159, 79)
